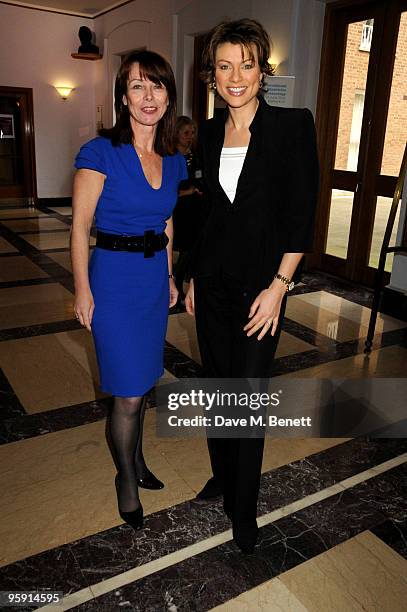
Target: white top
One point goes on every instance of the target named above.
(230, 167)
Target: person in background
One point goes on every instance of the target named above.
(189, 210)
(260, 172)
(129, 178)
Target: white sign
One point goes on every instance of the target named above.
(279, 90)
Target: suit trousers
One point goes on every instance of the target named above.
(222, 307)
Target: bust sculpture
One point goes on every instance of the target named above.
(85, 36)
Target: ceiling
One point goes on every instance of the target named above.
(82, 8)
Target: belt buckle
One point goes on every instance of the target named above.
(148, 245)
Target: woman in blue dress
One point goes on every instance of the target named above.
(128, 179)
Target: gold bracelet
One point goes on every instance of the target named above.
(289, 285)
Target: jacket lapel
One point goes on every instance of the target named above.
(215, 144)
(254, 160)
(261, 142)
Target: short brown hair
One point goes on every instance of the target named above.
(156, 69)
(244, 32)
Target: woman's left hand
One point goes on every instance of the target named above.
(173, 293)
(265, 310)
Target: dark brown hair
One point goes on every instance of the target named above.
(156, 69)
(244, 32)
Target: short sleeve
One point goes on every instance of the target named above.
(91, 156)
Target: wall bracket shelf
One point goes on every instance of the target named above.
(87, 56)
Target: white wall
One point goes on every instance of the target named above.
(35, 51)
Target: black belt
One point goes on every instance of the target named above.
(148, 244)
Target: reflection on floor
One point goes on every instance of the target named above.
(332, 512)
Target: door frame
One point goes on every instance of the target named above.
(30, 175)
(382, 55)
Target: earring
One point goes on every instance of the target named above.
(213, 85)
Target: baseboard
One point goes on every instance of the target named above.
(394, 303)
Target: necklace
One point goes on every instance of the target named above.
(139, 154)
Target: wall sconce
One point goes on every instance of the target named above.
(272, 65)
(64, 91)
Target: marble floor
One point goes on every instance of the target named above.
(332, 511)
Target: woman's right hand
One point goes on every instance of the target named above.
(189, 299)
(84, 307)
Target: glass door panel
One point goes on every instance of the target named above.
(340, 216)
(362, 132)
(358, 41)
(396, 128)
(383, 206)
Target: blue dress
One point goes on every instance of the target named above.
(131, 293)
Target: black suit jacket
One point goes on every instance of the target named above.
(273, 211)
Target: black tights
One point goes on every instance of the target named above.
(125, 437)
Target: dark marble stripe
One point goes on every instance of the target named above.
(54, 202)
(28, 282)
(40, 258)
(44, 231)
(19, 243)
(308, 335)
(283, 544)
(38, 424)
(350, 348)
(179, 364)
(15, 254)
(15, 333)
(57, 572)
(10, 206)
(361, 454)
(318, 281)
(55, 250)
(386, 493)
(10, 405)
(208, 579)
(27, 218)
(394, 534)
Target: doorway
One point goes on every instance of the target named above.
(17, 150)
(362, 131)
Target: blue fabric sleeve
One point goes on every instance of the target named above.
(91, 156)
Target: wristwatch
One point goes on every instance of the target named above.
(289, 284)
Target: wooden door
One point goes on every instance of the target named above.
(17, 152)
(362, 130)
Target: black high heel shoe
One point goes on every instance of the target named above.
(135, 518)
(150, 482)
(245, 535)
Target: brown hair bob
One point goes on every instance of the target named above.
(156, 69)
(244, 32)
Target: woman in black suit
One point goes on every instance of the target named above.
(260, 171)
